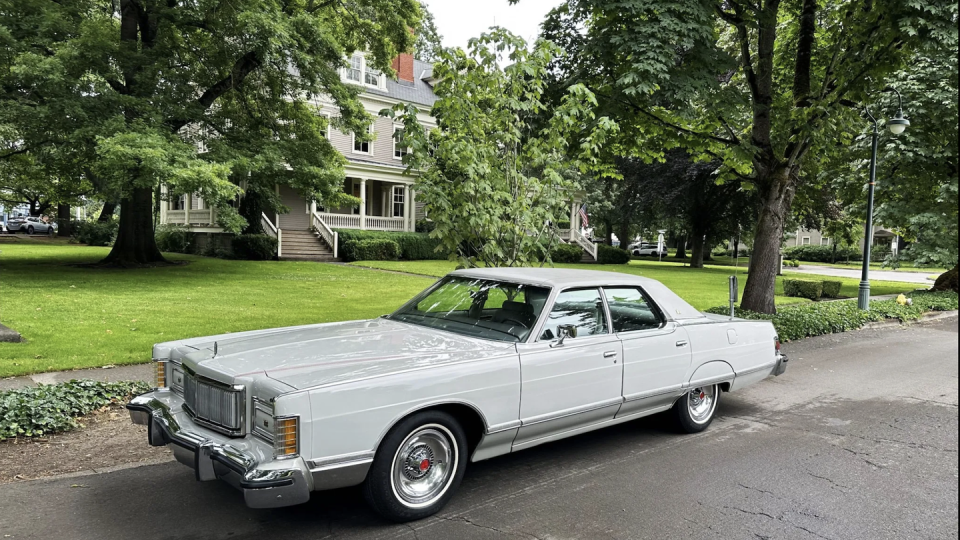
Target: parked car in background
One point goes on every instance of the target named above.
(31, 225)
(647, 250)
(481, 364)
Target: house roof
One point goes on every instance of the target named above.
(418, 92)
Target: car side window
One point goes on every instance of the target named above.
(582, 309)
(630, 310)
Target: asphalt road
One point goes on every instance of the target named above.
(857, 440)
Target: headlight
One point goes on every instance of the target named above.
(283, 433)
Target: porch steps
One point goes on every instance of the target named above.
(305, 246)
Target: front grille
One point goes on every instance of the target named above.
(215, 405)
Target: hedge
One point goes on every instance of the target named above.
(566, 253)
(807, 320)
(831, 289)
(612, 255)
(822, 254)
(96, 233)
(802, 288)
(413, 246)
(41, 410)
(174, 238)
(254, 247)
(376, 250)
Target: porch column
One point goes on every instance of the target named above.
(313, 208)
(363, 204)
(409, 225)
(163, 205)
(188, 198)
(573, 219)
(413, 209)
(278, 212)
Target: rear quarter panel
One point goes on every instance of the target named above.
(353, 417)
(745, 349)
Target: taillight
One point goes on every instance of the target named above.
(776, 344)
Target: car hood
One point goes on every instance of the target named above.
(309, 356)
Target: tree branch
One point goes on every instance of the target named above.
(246, 65)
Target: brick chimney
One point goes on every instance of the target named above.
(403, 65)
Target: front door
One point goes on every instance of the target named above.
(656, 353)
(574, 383)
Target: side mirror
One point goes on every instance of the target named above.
(564, 331)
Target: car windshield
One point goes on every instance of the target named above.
(479, 308)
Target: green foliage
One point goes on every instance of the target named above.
(502, 162)
(831, 289)
(807, 320)
(823, 254)
(802, 288)
(174, 238)
(254, 247)
(791, 263)
(413, 246)
(47, 409)
(95, 233)
(566, 254)
(612, 255)
(379, 249)
(429, 44)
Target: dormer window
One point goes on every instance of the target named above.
(360, 73)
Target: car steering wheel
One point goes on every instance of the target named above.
(515, 321)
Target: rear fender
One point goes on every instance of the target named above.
(714, 372)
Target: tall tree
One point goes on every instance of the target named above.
(429, 42)
(764, 86)
(496, 172)
(146, 80)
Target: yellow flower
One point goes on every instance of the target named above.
(902, 300)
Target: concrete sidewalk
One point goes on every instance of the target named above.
(850, 273)
(140, 372)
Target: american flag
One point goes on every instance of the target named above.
(584, 218)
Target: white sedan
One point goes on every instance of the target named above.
(481, 364)
(647, 250)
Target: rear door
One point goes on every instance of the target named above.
(656, 352)
(573, 384)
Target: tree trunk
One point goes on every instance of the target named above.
(608, 239)
(696, 257)
(251, 209)
(623, 233)
(758, 295)
(136, 244)
(736, 246)
(106, 213)
(707, 249)
(64, 227)
(682, 247)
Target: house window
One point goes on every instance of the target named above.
(355, 71)
(362, 147)
(824, 241)
(399, 201)
(325, 131)
(400, 149)
(805, 240)
(179, 203)
(371, 77)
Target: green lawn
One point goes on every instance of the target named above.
(81, 317)
(704, 288)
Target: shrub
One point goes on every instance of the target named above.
(254, 247)
(802, 288)
(823, 254)
(806, 320)
(566, 254)
(831, 289)
(376, 250)
(612, 255)
(413, 246)
(174, 238)
(791, 264)
(96, 233)
(425, 226)
(45, 409)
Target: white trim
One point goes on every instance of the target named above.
(353, 143)
(393, 136)
(364, 71)
(805, 241)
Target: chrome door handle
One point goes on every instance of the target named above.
(682, 344)
(609, 354)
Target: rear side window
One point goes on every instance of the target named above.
(631, 311)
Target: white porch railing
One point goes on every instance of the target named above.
(271, 230)
(340, 221)
(565, 234)
(385, 224)
(191, 217)
(585, 243)
(329, 236)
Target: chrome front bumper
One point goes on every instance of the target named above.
(247, 464)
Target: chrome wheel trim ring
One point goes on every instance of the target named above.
(418, 486)
(701, 402)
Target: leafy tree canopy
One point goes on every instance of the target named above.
(501, 166)
(429, 42)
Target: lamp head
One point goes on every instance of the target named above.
(898, 124)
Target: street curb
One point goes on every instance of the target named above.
(897, 323)
(94, 472)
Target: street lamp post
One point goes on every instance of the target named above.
(896, 126)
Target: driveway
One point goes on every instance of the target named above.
(879, 275)
(857, 441)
